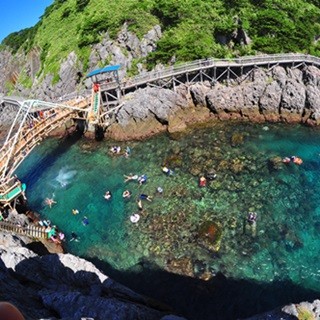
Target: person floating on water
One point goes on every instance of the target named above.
(252, 217)
(296, 160)
(74, 237)
(293, 159)
(202, 182)
(49, 202)
(286, 160)
(135, 218)
(127, 152)
(211, 175)
(85, 221)
(108, 195)
(115, 149)
(131, 177)
(145, 197)
(126, 194)
(159, 190)
(142, 179)
(140, 205)
(75, 211)
(167, 171)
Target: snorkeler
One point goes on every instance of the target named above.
(85, 221)
(108, 195)
(159, 190)
(252, 217)
(74, 237)
(140, 205)
(167, 171)
(145, 197)
(142, 179)
(296, 160)
(115, 149)
(131, 177)
(286, 160)
(127, 152)
(75, 211)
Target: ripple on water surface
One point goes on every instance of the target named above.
(187, 229)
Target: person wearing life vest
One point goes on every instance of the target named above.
(296, 160)
(95, 87)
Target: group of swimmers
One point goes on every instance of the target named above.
(293, 159)
(134, 177)
(141, 179)
(52, 231)
(117, 150)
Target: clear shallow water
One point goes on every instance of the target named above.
(284, 247)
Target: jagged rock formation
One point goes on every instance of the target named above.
(123, 51)
(303, 310)
(62, 286)
(278, 95)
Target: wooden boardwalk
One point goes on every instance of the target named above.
(18, 146)
(218, 68)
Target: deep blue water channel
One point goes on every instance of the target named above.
(253, 270)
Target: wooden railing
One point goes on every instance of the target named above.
(211, 63)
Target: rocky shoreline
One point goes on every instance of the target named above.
(278, 95)
(59, 289)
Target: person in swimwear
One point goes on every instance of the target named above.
(145, 197)
(49, 202)
(131, 177)
(126, 194)
(108, 195)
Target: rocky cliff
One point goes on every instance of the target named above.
(62, 286)
(21, 73)
(276, 95)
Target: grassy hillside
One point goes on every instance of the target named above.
(190, 27)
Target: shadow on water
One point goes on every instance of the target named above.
(219, 298)
(32, 175)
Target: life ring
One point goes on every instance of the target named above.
(135, 218)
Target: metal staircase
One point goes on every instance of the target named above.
(29, 231)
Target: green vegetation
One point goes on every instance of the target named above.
(304, 314)
(191, 29)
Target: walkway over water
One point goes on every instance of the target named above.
(36, 119)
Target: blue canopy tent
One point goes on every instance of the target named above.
(103, 70)
(107, 73)
(103, 77)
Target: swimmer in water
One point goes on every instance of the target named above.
(85, 221)
(49, 202)
(74, 237)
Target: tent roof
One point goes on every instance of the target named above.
(103, 70)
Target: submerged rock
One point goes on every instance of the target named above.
(210, 234)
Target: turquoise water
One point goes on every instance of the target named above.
(284, 246)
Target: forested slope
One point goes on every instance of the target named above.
(191, 29)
